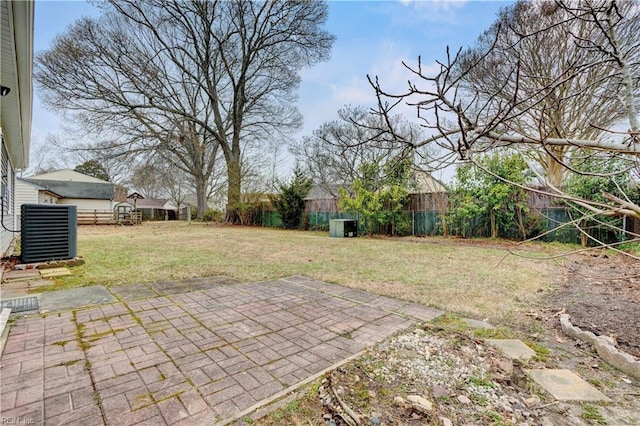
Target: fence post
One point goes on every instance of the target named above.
(413, 223)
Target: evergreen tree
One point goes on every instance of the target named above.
(93, 168)
(290, 201)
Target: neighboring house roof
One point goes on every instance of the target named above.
(135, 195)
(151, 203)
(16, 51)
(424, 183)
(68, 175)
(83, 190)
(37, 187)
(124, 203)
(321, 192)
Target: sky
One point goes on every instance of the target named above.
(372, 38)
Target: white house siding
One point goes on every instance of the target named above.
(26, 193)
(30, 193)
(46, 198)
(16, 69)
(8, 201)
(86, 205)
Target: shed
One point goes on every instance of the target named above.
(427, 193)
(322, 198)
(154, 208)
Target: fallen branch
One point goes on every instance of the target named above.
(545, 405)
(347, 409)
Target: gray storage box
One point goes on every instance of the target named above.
(343, 228)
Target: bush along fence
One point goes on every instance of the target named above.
(550, 224)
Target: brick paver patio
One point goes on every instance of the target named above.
(197, 352)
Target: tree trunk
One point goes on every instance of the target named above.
(520, 223)
(201, 195)
(556, 171)
(234, 178)
(494, 229)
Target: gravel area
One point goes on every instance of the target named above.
(438, 376)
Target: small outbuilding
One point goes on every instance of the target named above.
(153, 208)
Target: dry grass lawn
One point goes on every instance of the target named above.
(480, 280)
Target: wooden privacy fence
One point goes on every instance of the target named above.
(96, 217)
(108, 217)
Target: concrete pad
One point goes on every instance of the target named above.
(75, 298)
(512, 348)
(565, 385)
(132, 292)
(54, 272)
(21, 275)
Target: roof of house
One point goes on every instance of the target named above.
(68, 175)
(150, 203)
(321, 192)
(36, 186)
(16, 51)
(82, 190)
(424, 183)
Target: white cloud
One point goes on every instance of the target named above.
(435, 11)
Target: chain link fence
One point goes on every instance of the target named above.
(553, 224)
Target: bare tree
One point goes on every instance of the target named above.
(41, 159)
(156, 75)
(335, 152)
(466, 121)
(532, 54)
(177, 189)
(147, 180)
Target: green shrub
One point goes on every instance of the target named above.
(212, 215)
(535, 224)
(290, 202)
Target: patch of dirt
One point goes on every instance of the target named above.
(444, 374)
(602, 295)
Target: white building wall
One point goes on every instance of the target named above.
(25, 194)
(84, 204)
(8, 200)
(45, 198)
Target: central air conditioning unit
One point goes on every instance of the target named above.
(48, 232)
